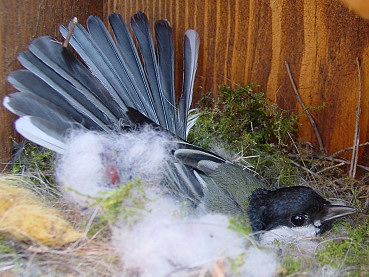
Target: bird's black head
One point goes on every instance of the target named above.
(296, 206)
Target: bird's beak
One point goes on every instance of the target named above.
(334, 211)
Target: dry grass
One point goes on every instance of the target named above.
(85, 258)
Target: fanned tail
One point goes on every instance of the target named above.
(116, 79)
(121, 83)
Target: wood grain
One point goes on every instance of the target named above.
(249, 41)
(20, 22)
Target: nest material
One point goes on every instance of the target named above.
(26, 217)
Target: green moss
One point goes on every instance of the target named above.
(236, 263)
(290, 265)
(36, 162)
(124, 203)
(5, 248)
(243, 119)
(239, 226)
(31, 157)
(244, 113)
(350, 252)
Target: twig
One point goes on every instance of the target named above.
(74, 23)
(342, 161)
(330, 167)
(321, 146)
(328, 158)
(298, 153)
(305, 168)
(355, 151)
(348, 149)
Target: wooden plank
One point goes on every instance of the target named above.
(20, 22)
(249, 41)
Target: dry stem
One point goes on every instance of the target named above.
(74, 23)
(317, 134)
(355, 152)
(348, 149)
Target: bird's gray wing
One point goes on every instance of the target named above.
(220, 185)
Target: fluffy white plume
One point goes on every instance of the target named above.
(303, 239)
(165, 241)
(259, 263)
(94, 162)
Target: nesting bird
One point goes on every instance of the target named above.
(124, 88)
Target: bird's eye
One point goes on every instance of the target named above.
(298, 220)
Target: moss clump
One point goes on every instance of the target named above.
(349, 253)
(5, 248)
(243, 119)
(240, 226)
(290, 265)
(31, 157)
(236, 263)
(36, 162)
(124, 203)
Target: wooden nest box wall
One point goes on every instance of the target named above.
(242, 42)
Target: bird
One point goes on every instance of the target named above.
(127, 81)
